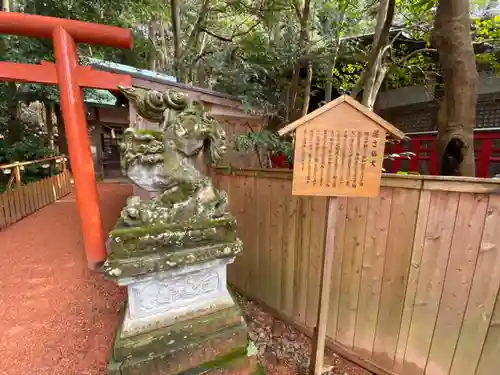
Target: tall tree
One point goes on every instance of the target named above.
(457, 112)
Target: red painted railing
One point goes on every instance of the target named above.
(486, 150)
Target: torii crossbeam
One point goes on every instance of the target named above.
(71, 78)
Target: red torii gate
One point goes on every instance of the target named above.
(71, 78)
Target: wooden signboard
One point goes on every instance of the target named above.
(345, 162)
(339, 151)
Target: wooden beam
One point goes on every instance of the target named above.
(45, 73)
(36, 26)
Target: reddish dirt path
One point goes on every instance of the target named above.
(56, 317)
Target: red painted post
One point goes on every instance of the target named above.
(483, 161)
(434, 162)
(415, 145)
(79, 146)
(396, 163)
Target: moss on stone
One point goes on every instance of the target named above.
(157, 134)
(260, 369)
(125, 232)
(119, 266)
(177, 335)
(226, 359)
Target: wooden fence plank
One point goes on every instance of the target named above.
(27, 196)
(63, 179)
(398, 255)
(62, 191)
(225, 185)
(485, 286)
(264, 235)
(7, 209)
(465, 244)
(58, 186)
(22, 201)
(41, 186)
(62, 182)
(237, 208)
(3, 211)
(68, 183)
(338, 248)
(354, 241)
(411, 289)
(48, 198)
(17, 199)
(275, 240)
(303, 261)
(489, 363)
(14, 211)
(39, 194)
(245, 234)
(290, 247)
(251, 245)
(41, 199)
(319, 207)
(377, 229)
(437, 245)
(54, 189)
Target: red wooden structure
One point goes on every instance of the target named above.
(71, 78)
(486, 149)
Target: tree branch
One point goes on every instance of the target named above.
(296, 7)
(379, 41)
(224, 39)
(195, 32)
(416, 52)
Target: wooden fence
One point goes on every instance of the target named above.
(26, 199)
(415, 285)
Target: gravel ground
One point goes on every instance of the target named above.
(285, 350)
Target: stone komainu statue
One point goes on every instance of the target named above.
(187, 210)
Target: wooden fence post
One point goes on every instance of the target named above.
(318, 349)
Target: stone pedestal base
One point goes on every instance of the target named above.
(182, 321)
(212, 342)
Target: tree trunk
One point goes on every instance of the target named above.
(176, 31)
(292, 96)
(331, 67)
(15, 129)
(49, 123)
(153, 52)
(303, 13)
(380, 41)
(62, 142)
(457, 112)
(307, 89)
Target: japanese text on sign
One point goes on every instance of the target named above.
(339, 159)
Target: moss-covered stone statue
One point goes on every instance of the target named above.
(188, 212)
(171, 251)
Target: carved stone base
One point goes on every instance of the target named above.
(172, 296)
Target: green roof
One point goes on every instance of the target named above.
(104, 97)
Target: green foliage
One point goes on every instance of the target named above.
(245, 48)
(33, 147)
(265, 140)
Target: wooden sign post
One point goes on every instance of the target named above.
(339, 151)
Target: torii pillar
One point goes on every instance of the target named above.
(71, 78)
